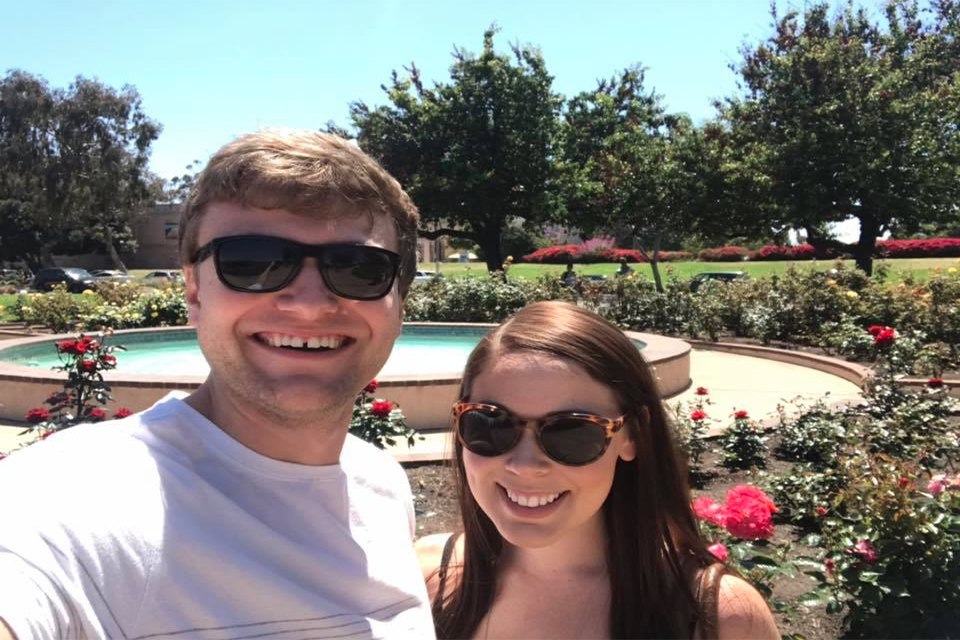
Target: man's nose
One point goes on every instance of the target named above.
(308, 292)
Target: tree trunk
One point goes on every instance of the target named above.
(112, 252)
(863, 253)
(46, 256)
(492, 252)
(654, 259)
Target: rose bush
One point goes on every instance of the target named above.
(378, 421)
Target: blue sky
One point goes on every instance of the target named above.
(209, 70)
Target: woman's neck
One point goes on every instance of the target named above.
(580, 554)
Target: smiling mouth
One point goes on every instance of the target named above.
(303, 343)
(532, 500)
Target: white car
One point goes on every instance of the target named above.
(160, 277)
(427, 275)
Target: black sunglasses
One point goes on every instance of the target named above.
(262, 264)
(572, 439)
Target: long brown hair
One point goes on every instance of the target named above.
(650, 527)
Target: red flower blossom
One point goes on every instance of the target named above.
(903, 482)
(829, 566)
(697, 415)
(80, 347)
(67, 346)
(707, 509)
(821, 511)
(88, 365)
(719, 551)
(749, 513)
(885, 338)
(35, 416)
(122, 413)
(935, 383)
(108, 359)
(865, 550)
(702, 391)
(381, 408)
(875, 330)
(97, 414)
(741, 415)
(371, 387)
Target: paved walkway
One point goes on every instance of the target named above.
(734, 382)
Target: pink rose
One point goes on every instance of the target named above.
(719, 551)
(865, 550)
(707, 509)
(937, 484)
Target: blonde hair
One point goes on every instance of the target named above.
(303, 172)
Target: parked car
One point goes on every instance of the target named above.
(426, 275)
(77, 280)
(720, 276)
(112, 275)
(160, 277)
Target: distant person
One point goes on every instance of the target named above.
(243, 510)
(576, 512)
(625, 269)
(569, 277)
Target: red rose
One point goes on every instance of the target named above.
(829, 566)
(885, 338)
(865, 550)
(86, 339)
(67, 346)
(80, 347)
(697, 415)
(93, 345)
(108, 359)
(122, 413)
(875, 330)
(88, 365)
(935, 383)
(741, 415)
(381, 408)
(903, 482)
(371, 387)
(701, 391)
(97, 414)
(38, 415)
(821, 511)
(749, 513)
(707, 509)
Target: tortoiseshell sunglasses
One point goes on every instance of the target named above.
(572, 439)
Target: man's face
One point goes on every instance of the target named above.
(239, 332)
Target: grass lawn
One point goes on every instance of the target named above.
(919, 268)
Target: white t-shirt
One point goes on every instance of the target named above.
(160, 526)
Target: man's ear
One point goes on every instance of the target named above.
(191, 292)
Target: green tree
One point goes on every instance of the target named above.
(628, 165)
(475, 153)
(845, 118)
(73, 167)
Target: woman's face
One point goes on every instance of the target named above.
(531, 386)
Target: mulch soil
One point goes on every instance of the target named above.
(437, 511)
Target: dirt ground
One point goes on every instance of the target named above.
(437, 511)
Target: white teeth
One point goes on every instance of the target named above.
(532, 501)
(297, 342)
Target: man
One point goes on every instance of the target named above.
(243, 510)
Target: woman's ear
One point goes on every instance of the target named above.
(628, 447)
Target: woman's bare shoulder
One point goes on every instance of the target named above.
(742, 612)
(430, 555)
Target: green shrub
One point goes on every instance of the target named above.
(59, 310)
(743, 444)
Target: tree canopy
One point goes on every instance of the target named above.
(844, 117)
(73, 167)
(475, 153)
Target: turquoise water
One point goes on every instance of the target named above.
(419, 350)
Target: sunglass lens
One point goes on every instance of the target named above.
(573, 441)
(257, 264)
(359, 272)
(487, 432)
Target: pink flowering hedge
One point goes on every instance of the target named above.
(578, 253)
(928, 248)
(729, 253)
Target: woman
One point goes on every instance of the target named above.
(576, 512)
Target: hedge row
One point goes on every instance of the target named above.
(927, 248)
(564, 253)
